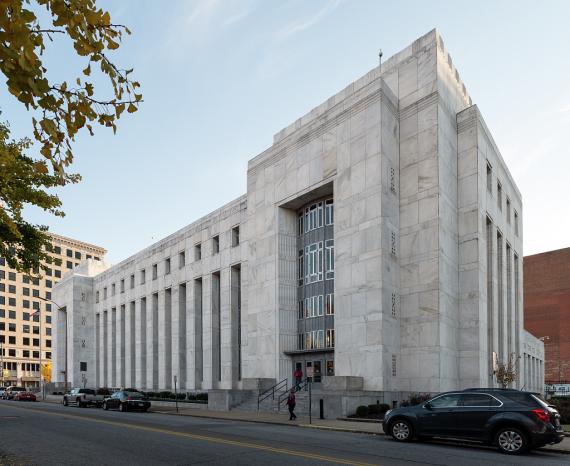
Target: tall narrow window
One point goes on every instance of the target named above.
(154, 271)
(329, 259)
(198, 251)
(167, 266)
(314, 262)
(508, 210)
(329, 304)
(143, 276)
(300, 267)
(132, 281)
(181, 259)
(216, 244)
(235, 236)
(330, 338)
(329, 212)
(122, 285)
(489, 178)
(516, 220)
(499, 196)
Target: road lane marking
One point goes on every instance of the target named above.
(206, 438)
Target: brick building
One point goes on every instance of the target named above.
(547, 309)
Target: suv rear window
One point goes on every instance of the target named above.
(525, 399)
(87, 391)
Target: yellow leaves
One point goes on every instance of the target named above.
(112, 45)
(131, 108)
(87, 71)
(41, 167)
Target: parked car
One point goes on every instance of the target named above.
(12, 390)
(2, 393)
(127, 401)
(81, 397)
(513, 420)
(24, 396)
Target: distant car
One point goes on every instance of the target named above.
(2, 393)
(127, 401)
(24, 396)
(83, 397)
(12, 390)
(513, 420)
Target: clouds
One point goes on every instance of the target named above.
(301, 25)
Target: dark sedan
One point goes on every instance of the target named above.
(127, 401)
(512, 420)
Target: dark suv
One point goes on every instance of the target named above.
(514, 421)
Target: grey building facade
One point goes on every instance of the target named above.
(377, 248)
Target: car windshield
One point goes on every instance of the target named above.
(135, 395)
(18, 389)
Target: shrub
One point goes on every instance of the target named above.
(181, 396)
(165, 395)
(362, 411)
(563, 406)
(190, 396)
(202, 396)
(378, 408)
(416, 399)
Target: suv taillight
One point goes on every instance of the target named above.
(542, 414)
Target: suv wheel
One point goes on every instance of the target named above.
(401, 430)
(65, 403)
(511, 440)
(105, 407)
(122, 407)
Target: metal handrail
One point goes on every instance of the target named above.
(302, 386)
(271, 391)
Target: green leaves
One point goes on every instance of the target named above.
(60, 110)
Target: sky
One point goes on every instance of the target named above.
(220, 77)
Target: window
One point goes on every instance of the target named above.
(330, 338)
(113, 289)
(26, 304)
(78, 255)
(96, 296)
(132, 281)
(122, 285)
(36, 342)
(105, 293)
(88, 256)
(499, 196)
(329, 259)
(314, 339)
(57, 250)
(394, 366)
(58, 273)
(25, 290)
(216, 244)
(48, 354)
(154, 271)
(69, 253)
(26, 353)
(12, 302)
(478, 400)
(36, 354)
(313, 217)
(11, 314)
(12, 289)
(48, 321)
(26, 316)
(489, 178)
(314, 306)
(12, 353)
(36, 293)
(143, 276)
(26, 341)
(235, 236)
(26, 328)
(48, 272)
(83, 366)
(314, 262)
(48, 284)
(516, 221)
(35, 330)
(301, 309)
(508, 210)
(329, 304)
(198, 251)
(48, 307)
(12, 276)
(48, 343)
(181, 259)
(69, 264)
(300, 229)
(12, 340)
(11, 327)
(445, 401)
(167, 266)
(300, 268)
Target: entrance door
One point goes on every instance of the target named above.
(317, 371)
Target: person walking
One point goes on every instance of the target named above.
(298, 374)
(291, 405)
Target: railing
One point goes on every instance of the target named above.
(304, 385)
(270, 392)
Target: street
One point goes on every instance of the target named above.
(50, 434)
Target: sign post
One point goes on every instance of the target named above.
(176, 393)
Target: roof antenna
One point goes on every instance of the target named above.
(380, 60)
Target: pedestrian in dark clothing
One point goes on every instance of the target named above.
(298, 374)
(291, 405)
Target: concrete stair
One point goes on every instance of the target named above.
(270, 405)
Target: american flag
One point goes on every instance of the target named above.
(35, 313)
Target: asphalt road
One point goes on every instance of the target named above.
(49, 434)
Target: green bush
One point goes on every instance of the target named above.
(563, 406)
(378, 408)
(416, 399)
(190, 396)
(202, 396)
(362, 411)
(165, 395)
(181, 396)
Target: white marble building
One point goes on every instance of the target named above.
(378, 247)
